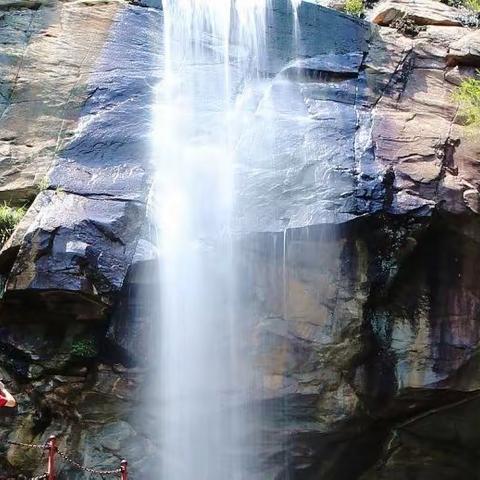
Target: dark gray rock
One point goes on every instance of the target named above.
(75, 245)
(332, 63)
(298, 181)
(314, 35)
(135, 314)
(110, 152)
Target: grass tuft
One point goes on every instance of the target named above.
(468, 97)
(44, 184)
(473, 5)
(9, 219)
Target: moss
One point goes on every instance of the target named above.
(468, 97)
(9, 219)
(354, 7)
(84, 348)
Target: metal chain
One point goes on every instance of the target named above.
(43, 476)
(87, 469)
(40, 477)
(28, 445)
(66, 458)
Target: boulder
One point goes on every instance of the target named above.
(465, 50)
(459, 74)
(421, 12)
(76, 244)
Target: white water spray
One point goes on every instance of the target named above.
(213, 50)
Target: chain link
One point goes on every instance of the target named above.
(66, 458)
(43, 476)
(40, 477)
(87, 469)
(28, 445)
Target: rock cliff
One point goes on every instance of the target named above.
(363, 232)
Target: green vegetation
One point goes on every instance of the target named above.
(84, 348)
(473, 5)
(468, 97)
(43, 184)
(9, 219)
(355, 7)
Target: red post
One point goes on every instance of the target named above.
(124, 469)
(52, 449)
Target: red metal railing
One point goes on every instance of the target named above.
(124, 469)
(52, 450)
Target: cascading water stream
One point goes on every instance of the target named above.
(213, 52)
(296, 22)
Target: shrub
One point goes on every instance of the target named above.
(354, 7)
(468, 97)
(9, 219)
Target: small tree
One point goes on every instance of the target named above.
(354, 7)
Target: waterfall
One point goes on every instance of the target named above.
(213, 50)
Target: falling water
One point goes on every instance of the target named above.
(296, 22)
(213, 50)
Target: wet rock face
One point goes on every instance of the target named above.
(358, 270)
(360, 330)
(308, 329)
(429, 317)
(375, 121)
